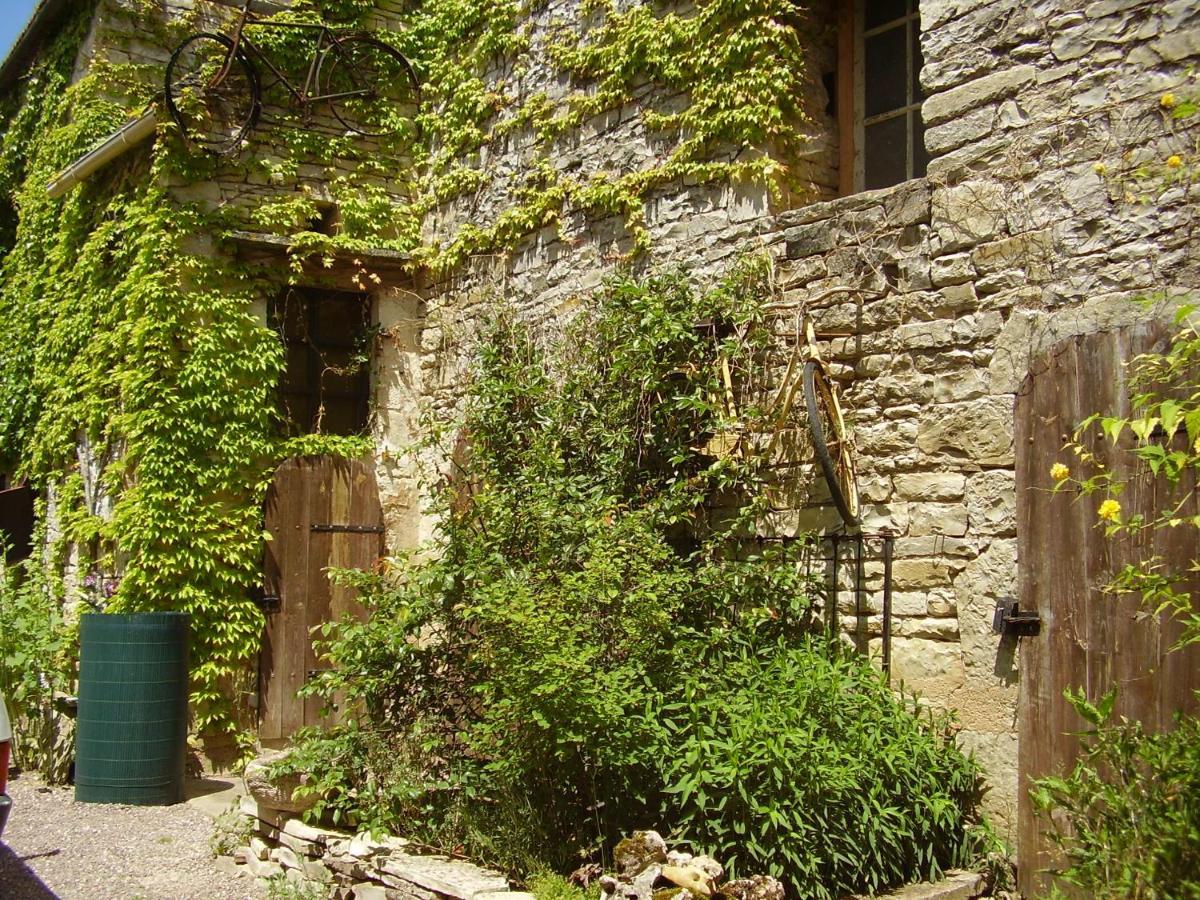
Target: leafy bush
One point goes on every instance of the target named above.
(548, 886)
(1127, 817)
(534, 668)
(231, 830)
(37, 649)
(801, 762)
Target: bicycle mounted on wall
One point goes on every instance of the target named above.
(214, 89)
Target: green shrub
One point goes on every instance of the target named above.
(1127, 816)
(593, 580)
(800, 762)
(548, 886)
(231, 830)
(37, 652)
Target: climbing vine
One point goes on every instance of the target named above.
(136, 380)
(735, 70)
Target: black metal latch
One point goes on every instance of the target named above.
(268, 603)
(1009, 618)
(348, 529)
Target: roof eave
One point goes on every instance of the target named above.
(47, 16)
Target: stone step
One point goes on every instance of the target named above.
(450, 878)
(957, 885)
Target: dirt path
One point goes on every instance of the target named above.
(56, 848)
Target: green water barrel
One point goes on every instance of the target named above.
(131, 731)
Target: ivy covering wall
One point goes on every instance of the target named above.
(136, 381)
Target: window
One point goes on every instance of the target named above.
(16, 520)
(883, 136)
(326, 334)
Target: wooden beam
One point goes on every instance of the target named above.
(845, 97)
(340, 269)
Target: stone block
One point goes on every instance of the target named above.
(974, 94)
(368, 890)
(1178, 46)
(305, 832)
(1029, 252)
(955, 298)
(977, 432)
(933, 668)
(274, 793)
(960, 384)
(949, 519)
(984, 580)
(285, 856)
(997, 754)
(956, 885)
(807, 240)
(299, 846)
(940, 604)
(953, 133)
(263, 869)
(936, 545)
(930, 486)
(909, 604)
(451, 878)
(885, 439)
(926, 335)
(937, 629)
(970, 213)
(992, 502)
(912, 574)
(952, 269)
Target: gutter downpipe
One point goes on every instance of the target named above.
(123, 140)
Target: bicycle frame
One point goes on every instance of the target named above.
(326, 41)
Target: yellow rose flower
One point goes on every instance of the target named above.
(1059, 472)
(1110, 510)
(1174, 161)
(1166, 101)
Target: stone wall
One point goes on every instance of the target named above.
(346, 866)
(1013, 242)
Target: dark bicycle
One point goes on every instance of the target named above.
(214, 92)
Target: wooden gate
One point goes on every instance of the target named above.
(1088, 638)
(322, 512)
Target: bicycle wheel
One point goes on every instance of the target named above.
(214, 111)
(830, 442)
(371, 88)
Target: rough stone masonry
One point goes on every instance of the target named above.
(956, 280)
(1011, 243)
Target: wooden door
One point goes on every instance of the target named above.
(322, 512)
(1088, 638)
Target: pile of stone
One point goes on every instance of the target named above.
(647, 870)
(344, 865)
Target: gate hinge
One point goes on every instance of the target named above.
(348, 529)
(1009, 618)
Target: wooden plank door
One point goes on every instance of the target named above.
(322, 512)
(1088, 638)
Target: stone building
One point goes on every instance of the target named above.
(967, 201)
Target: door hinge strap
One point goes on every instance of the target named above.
(348, 529)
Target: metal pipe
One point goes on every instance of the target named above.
(832, 613)
(123, 140)
(860, 620)
(888, 540)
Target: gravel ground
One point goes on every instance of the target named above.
(54, 847)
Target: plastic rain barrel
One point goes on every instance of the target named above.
(131, 729)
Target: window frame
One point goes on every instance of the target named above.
(314, 343)
(851, 95)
